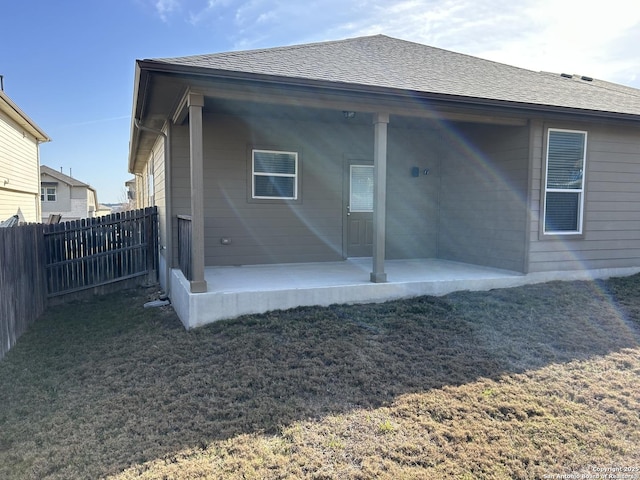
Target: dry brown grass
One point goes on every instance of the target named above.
(516, 383)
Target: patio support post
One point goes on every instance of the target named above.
(380, 122)
(195, 104)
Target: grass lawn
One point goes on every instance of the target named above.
(518, 383)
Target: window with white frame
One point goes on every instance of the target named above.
(564, 189)
(48, 194)
(274, 175)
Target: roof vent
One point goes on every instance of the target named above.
(566, 75)
(587, 79)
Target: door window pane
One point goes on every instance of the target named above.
(361, 188)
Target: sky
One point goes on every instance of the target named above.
(69, 64)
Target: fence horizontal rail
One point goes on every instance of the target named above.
(38, 262)
(93, 252)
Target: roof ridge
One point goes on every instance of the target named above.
(299, 46)
(383, 62)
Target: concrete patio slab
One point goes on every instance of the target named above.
(235, 291)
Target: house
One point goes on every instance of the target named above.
(130, 185)
(374, 168)
(20, 140)
(65, 196)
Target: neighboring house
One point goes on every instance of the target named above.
(103, 210)
(65, 196)
(378, 147)
(20, 138)
(131, 191)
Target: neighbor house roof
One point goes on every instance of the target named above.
(381, 62)
(12, 111)
(63, 178)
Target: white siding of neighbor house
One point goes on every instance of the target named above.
(72, 203)
(19, 172)
(611, 237)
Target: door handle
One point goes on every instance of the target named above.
(348, 210)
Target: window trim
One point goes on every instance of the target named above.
(296, 177)
(580, 191)
(44, 194)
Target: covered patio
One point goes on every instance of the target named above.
(234, 291)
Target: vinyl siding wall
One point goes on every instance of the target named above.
(308, 230)
(611, 231)
(413, 202)
(160, 197)
(311, 229)
(73, 203)
(483, 214)
(480, 202)
(62, 205)
(19, 165)
(146, 190)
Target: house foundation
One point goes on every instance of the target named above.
(236, 291)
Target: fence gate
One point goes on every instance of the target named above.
(87, 253)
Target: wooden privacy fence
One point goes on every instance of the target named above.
(23, 293)
(42, 261)
(92, 252)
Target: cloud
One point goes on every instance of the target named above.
(164, 8)
(213, 9)
(597, 40)
(594, 39)
(572, 36)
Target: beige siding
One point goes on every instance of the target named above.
(483, 214)
(140, 197)
(413, 202)
(147, 183)
(471, 206)
(474, 195)
(269, 232)
(160, 197)
(19, 172)
(18, 203)
(611, 236)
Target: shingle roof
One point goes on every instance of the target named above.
(62, 177)
(385, 62)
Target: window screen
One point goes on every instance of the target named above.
(275, 174)
(565, 181)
